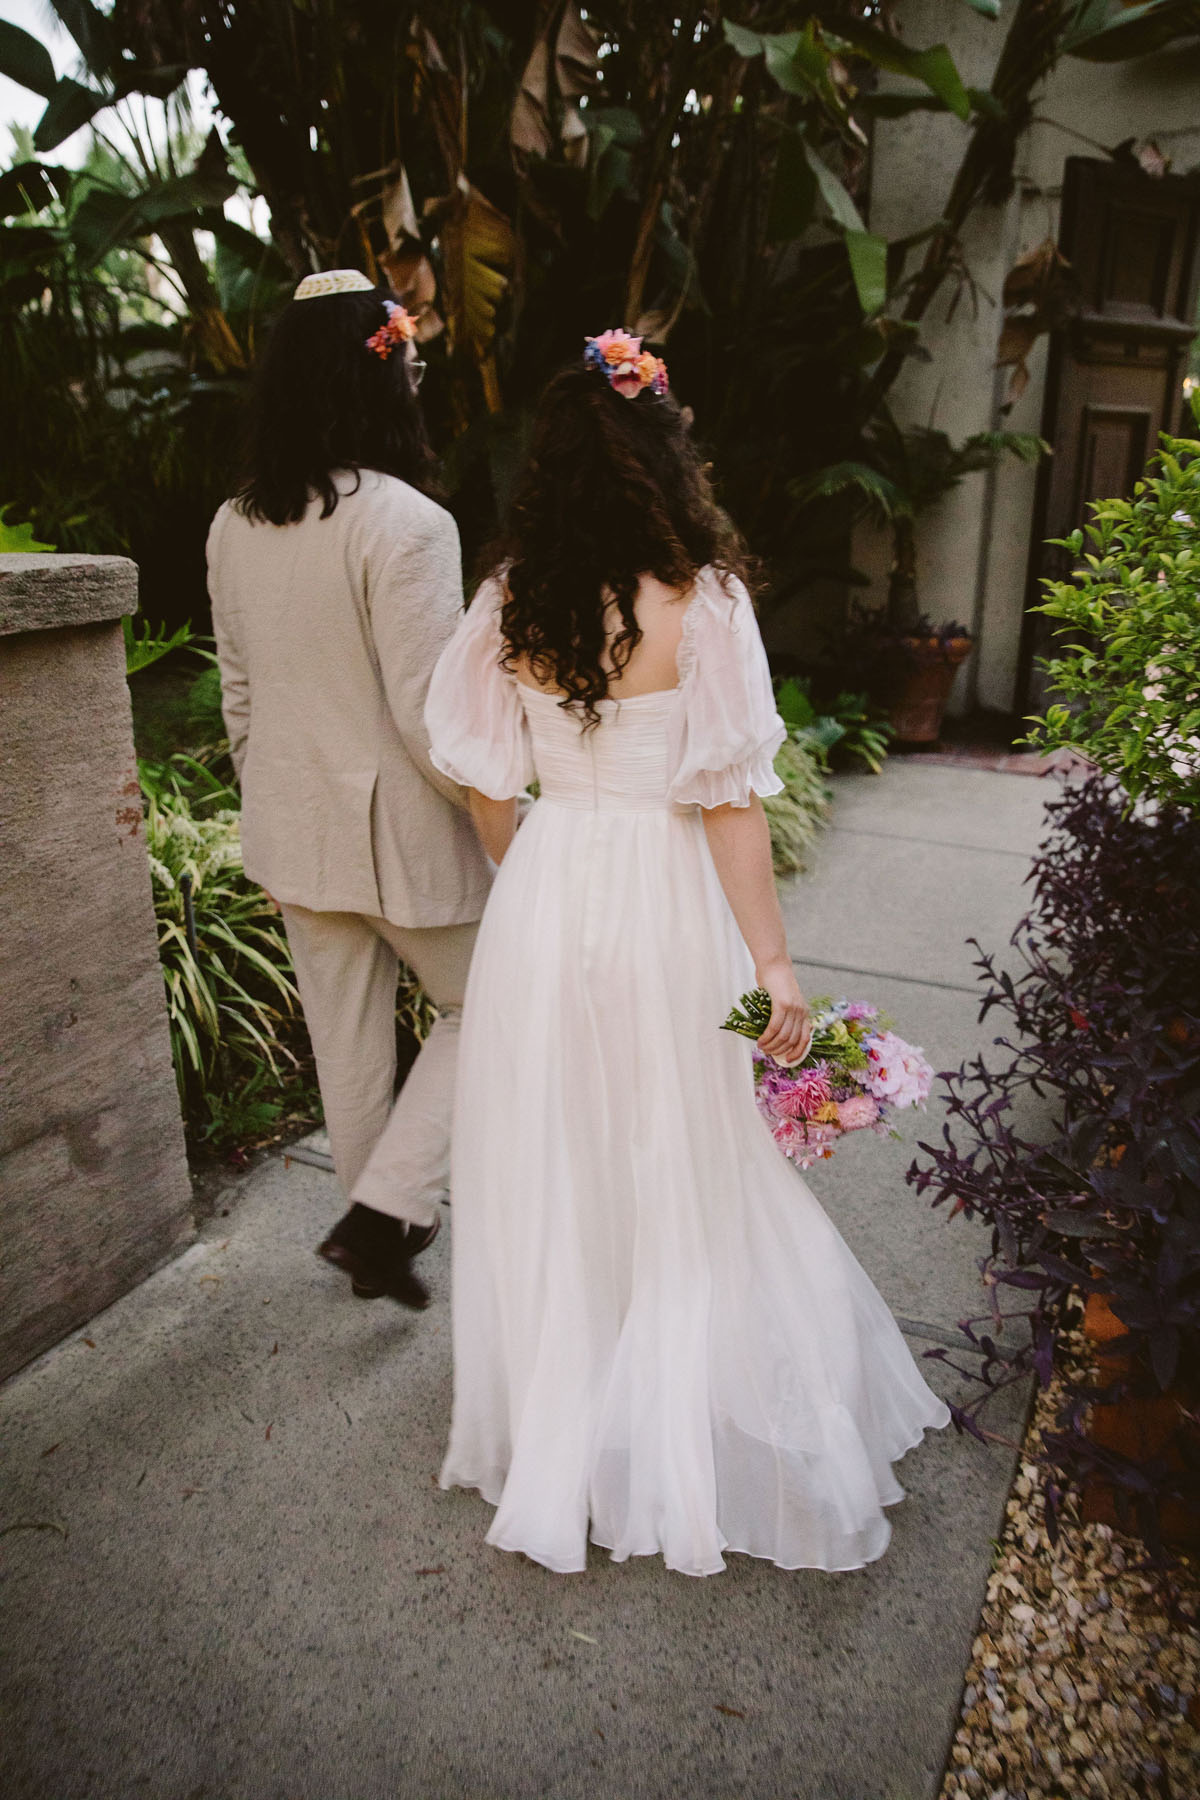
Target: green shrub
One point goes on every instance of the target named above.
(18, 538)
(849, 733)
(796, 815)
(203, 706)
(1130, 680)
(237, 1038)
(849, 730)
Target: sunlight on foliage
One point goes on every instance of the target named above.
(1126, 680)
(16, 538)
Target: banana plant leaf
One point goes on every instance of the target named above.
(934, 68)
(31, 186)
(1106, 31)
(70, 106)
(26, 61)
(106, 218)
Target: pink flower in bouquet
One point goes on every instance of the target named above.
(805, 1143)
(771, 1084)
(857, 1112)
(859, 1009)
(805, 1094)
(896, 1072)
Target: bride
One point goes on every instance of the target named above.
(660, 1339)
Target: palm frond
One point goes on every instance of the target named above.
(877, 491)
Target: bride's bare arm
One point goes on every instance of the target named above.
(495, 821)
(740, 841)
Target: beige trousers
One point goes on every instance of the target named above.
(393, 1157)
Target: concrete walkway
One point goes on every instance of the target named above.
(228, 1573)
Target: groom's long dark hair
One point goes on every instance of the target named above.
(322, 402)
(614, 488)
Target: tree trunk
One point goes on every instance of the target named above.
(1030, 51)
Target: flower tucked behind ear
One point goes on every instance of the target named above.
(399, 328)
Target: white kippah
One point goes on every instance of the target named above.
(334, 281)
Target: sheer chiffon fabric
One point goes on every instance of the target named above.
(660, 1339)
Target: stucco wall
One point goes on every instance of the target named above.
(94, 1189)
(974, 545)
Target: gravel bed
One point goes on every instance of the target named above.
(1085, 1676)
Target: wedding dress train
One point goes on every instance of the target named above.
(660, 1339)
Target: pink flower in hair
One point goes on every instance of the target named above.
(619, 356)
(617, 347)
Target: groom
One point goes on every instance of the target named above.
(335, 581)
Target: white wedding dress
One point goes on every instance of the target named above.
(660, 1339)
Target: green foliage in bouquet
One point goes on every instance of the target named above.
(1129, 679)
(752, 1014)
(834, 1041)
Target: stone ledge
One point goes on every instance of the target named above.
(46, 593)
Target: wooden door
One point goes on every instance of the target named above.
(1115, 376)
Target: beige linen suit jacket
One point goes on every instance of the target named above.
(327, 633)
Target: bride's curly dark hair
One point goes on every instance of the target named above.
(614, 488)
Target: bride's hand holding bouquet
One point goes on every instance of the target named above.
(789, 1026)
(851, 1075)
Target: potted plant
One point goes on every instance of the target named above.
(908, 661)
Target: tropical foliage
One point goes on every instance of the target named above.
(236, 1036)
(846, 732)
(1128, 668)
(899, 475)
(18, 538)
(521, 174)
(798, 813)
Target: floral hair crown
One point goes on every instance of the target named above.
(399, 327)
(624, 364)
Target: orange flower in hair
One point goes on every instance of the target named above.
(398, 328)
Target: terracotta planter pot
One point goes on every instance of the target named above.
(920, 675)
(1141, 1427)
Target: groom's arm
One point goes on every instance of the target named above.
(414, 594)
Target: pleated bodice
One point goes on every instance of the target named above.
(622, 765)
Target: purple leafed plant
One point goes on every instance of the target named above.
(1104, 1034)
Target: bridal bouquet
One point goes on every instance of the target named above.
(854, 1075)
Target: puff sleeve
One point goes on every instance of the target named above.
(473, 713)
(726, 732)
